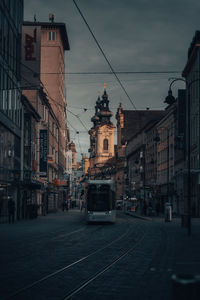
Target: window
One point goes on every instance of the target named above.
(105, 145)
(44, 112)
(51, 35)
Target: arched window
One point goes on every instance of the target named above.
(105, 144)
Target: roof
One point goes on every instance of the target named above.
(135, 120)
(52, 25)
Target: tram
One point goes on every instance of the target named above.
(100, 201)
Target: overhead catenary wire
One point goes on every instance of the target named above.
(62, 105)
(91, 73)
(78, 119)
(113, 71)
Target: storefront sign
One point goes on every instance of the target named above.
(31, 48)
(43, 152)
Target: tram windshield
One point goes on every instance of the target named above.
(99, 198)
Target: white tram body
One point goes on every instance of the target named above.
(100, 201)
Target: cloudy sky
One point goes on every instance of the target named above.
(139, 36)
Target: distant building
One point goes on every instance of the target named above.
(131, 140)
(129, 122)
(72, 148)
(101, 137)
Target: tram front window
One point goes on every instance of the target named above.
(99, 198)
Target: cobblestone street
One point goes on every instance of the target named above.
(31, 250)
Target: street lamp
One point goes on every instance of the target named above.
(170, 99)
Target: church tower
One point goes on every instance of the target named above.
(102, 132)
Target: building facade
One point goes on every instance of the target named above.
(11, 18)
(191, 75)
(180, 167)
(101, 136)
(44, 70)
(130, 142)
(166, 158)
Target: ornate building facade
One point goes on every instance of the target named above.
(101, 138)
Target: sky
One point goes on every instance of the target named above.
(139, 36)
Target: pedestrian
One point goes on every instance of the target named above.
(65, 205)
(11, 210)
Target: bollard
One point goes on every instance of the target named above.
(168, 212)
(185, 287)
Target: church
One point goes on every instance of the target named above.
(101, 134)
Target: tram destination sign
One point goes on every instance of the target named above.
(43, 152)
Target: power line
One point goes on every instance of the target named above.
(72, 127)
(78, 119)
(111, 73)
(36, 74)
(104, 54)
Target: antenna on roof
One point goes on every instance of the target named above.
(34, 17)
(51, 17)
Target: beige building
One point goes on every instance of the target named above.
(45, 44)
(101, 135)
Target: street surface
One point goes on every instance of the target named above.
(59, 256)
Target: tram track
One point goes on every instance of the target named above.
(53, 237)
(101, 272)
(102, 250)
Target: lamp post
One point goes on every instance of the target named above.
(170, 99)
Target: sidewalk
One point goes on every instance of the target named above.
(186, 249)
